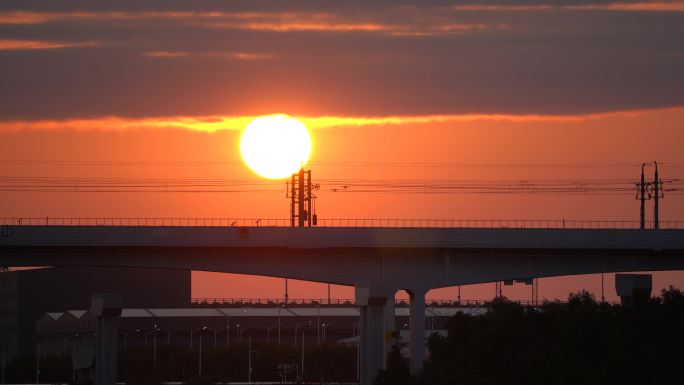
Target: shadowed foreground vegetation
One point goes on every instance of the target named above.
(579, 342)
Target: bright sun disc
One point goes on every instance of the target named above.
(275, 146)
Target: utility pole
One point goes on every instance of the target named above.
(648, 190)
(293, 198)
(656, 195)
(302, 199)
(642, 194)
(603, 297)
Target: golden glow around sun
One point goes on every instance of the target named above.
(275, 146)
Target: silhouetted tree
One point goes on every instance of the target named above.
(397, 372)
(579, 342)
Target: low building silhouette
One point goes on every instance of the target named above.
(27, 295)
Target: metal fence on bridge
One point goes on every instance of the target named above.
(356, 223)
(341, 302)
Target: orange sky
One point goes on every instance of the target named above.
(610, 139)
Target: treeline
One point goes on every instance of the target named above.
(579, 342)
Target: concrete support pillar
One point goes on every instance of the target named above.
(106, 308)
(373, 321)
(389, 327)
(363, 344)
(417, 328)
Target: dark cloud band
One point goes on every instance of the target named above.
(169, 58)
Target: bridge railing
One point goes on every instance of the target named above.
(358, 222)
(310, 302)
(272, 301)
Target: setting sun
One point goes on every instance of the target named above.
(275, 146)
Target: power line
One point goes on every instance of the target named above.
(367, 186)
(29, 162)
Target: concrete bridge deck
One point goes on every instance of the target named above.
(377, 261)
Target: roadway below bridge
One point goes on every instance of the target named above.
(376, 261)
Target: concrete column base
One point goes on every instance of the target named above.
(107, 309)
(374, 307)
(417, 329)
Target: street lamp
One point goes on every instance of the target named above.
(37, 362)
(268, 333)
(169, 333)
(154, 347)
(279, 309)
(192, 333)
(147, 333)
(237, 331)
(356, 333)
(303, 328)
(200, 346)
(241, 332)
(228, 315)
(3, 361)
(125, 336)
(295, 334)
(73, 354)
(249, 358)
(325, 325)
(297, 326)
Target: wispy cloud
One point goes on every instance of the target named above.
(645, 6)
(241, 55)
(382, 28)
(281, 22)
(29, 17)
(21, 44)
(212, 124)
(302, 20)
(215, 54)
(166, 54)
